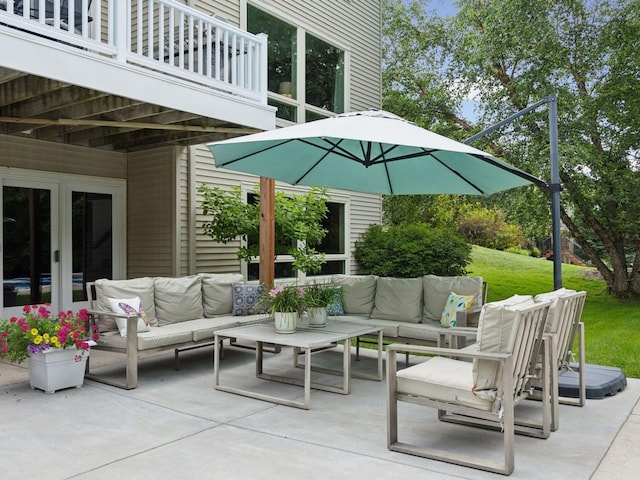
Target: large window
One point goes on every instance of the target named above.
(299, 97)
(333, 246)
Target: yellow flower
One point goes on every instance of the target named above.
(34, 331)
(57, 344)
(54, 340)
(37, 340)
(45, 336)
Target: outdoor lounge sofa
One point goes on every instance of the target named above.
(181, 313)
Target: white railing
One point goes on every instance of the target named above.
(161, 35)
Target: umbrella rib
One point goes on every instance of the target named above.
(473, 185)
(257, 152)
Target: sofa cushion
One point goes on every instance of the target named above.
(358, 293)
(437, 290)
(246, 299)
(129, 306)
(389, 327)
(398, 299)
(136, 287)
(455, 303)
(216, 292)
(178, 299)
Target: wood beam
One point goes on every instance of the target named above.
(267, 231)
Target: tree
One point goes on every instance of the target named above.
(298, 221)
(508, 55)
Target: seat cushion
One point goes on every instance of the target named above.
(168, 335)
(398, 299)
(442, 379)
(358, 293)
(178, 299)
(389, 327)
(425, 332)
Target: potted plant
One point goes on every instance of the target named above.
(284, 303)
(316, 300)
(57, 346)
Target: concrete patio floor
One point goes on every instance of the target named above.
(175, 425)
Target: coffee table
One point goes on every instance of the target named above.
(305, 339)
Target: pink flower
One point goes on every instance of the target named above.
(276, 290)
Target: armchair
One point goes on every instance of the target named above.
(483, 392)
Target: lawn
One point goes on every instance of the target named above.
(612, 327)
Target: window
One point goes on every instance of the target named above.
(333, 246)
(324, 64)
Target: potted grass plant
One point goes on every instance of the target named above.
(285, 304)
(316, 300)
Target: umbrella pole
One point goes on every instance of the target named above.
(267, 231)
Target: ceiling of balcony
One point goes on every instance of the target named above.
(36, 107)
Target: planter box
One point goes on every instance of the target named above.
(57, 368)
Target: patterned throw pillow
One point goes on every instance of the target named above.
(129, 306)
(455, 303)
(335, 308)
(246, 299)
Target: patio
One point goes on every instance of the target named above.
(175, 425)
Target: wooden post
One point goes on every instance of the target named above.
(267, 231)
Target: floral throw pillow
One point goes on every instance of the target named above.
(455, 303)
(335, 308)
(129, 306)
(246, 299)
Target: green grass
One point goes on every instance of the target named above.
(612, 327)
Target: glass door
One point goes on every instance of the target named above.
(30, 250)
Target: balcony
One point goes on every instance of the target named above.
(128, 74)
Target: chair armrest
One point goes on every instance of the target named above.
(447, 352)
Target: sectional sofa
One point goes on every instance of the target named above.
(146, 315)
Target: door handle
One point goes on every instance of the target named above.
(56, 256)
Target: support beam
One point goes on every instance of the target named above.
(267, 231)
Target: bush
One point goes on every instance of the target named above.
(487, 227)
(412, 250)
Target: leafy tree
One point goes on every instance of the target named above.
(508, 55)
(298, 220)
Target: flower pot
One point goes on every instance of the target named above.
(317, 316)
(285, 322)
(57, 368)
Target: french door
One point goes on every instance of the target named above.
(56, 237)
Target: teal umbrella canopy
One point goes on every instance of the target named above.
(371, 151)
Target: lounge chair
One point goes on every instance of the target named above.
(483, 392)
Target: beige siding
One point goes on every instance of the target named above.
(151, 211)
(55, 157)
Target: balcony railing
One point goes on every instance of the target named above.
(162, 35)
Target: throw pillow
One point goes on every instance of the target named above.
(246, 299)
(129, 306)
(455, 303)
(335, 308)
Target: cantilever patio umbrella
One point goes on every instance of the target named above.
(371, 151)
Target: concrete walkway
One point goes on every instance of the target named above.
(175, 425)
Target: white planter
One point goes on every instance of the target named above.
(317, 316)
(285, 322)
(57, 368)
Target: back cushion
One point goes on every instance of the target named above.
(358, 293)
(555, 308)
(136, 287)
(398, 299)
(437, 290)
(216, 292)
(495, 331)
(178, 299)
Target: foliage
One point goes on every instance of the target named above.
(317, 295)
(487, 227)
(284, 299)
(508, 55)
(298, 220)
(37, 331)
(611, 325)
(412, 250)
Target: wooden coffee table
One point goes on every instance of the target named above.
(305, 339)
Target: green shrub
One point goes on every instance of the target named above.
(412, 250)
(487, 227)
